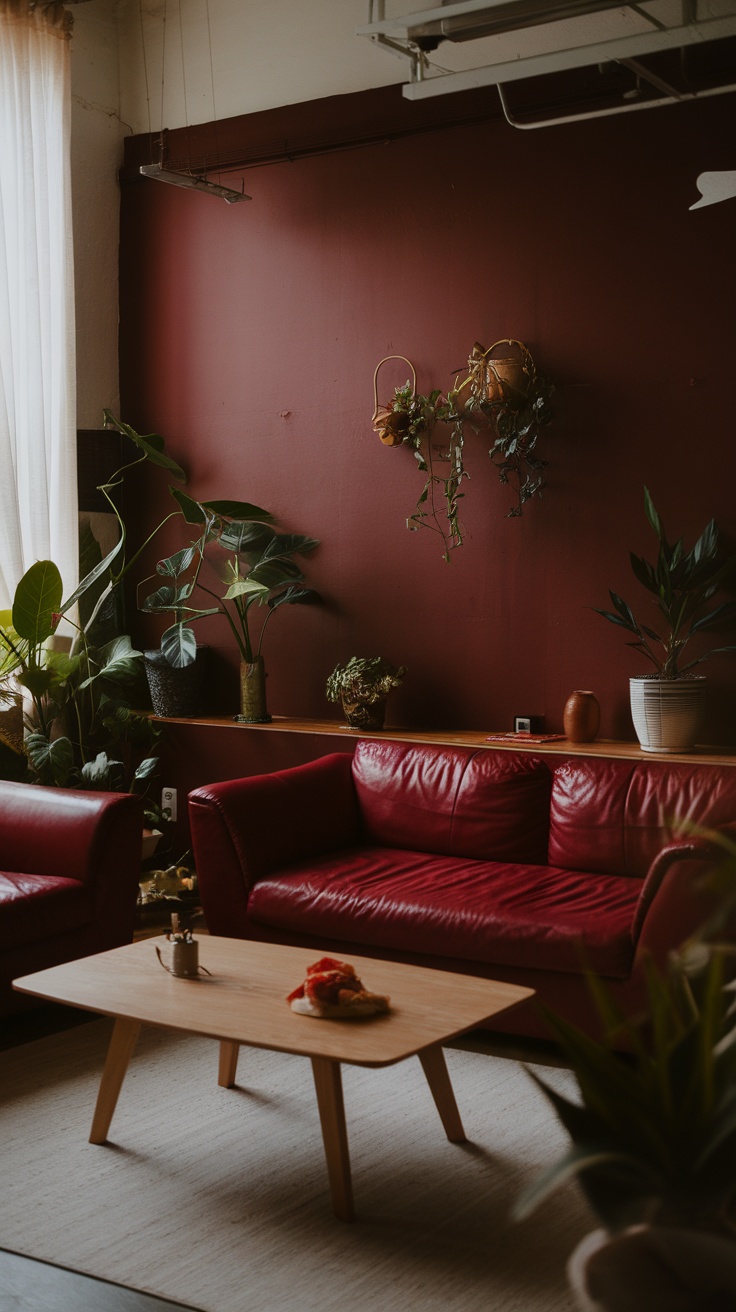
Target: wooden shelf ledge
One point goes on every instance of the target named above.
(603, 747)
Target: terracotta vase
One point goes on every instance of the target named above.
(253, 692)
(581, 717)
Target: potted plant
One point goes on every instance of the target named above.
(363, 686)
(666, 706)
(239, 561)
(653, 1138)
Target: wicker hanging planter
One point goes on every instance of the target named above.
(391, 425)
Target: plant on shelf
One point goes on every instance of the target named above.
(682, 585)
(504, 395)
(363, 686)
(653, 1139)
(239, 561)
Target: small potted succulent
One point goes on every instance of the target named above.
(363, 686)
(666, 705)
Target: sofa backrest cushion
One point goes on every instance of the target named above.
(453, 801)
(614, 816)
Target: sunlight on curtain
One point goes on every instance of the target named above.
(38, 491)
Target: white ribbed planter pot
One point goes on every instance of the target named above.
(667, 713)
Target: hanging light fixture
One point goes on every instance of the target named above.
(195, 181)
(160, 171)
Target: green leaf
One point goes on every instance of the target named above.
(54, 761)
(104, 774)
(577, 1159)
(37, 599)
(652, 515)
(152, 445)
(726, 611)
(145, 770)
(245, 588)
(273, 574)
(191, 510)
(179, 646)
(177, 564)
(294, 596)
(239, 510)
(644, 572)
(243, 536)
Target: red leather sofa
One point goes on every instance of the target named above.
(487, 862)
(69, 869)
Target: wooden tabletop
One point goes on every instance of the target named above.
(244, 999)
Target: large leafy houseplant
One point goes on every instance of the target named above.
(81, 729)
(251, 565)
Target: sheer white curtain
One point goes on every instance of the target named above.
(38, 485)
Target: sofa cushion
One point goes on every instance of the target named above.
(35, 907)
(484, 911)
(454, 801)
(613, 817)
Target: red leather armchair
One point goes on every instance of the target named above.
(500, 864)
(69, 870)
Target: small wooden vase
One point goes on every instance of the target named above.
(581, 717)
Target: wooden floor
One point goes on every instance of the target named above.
(41, 1287)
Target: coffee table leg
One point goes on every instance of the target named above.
(328, 1084)
(228, 1063)
(119, 1054)
(438, 1079)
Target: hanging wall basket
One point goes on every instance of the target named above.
(391, 425)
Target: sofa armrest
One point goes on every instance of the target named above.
(94, 838)
(244, 828)
(66, 833)
(675, 900)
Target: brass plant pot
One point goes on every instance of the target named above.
(253, 692)
(365, 715)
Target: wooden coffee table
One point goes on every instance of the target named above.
(242, 1001)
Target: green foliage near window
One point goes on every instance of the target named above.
(81, 728)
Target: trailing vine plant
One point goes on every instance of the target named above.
(505, 396)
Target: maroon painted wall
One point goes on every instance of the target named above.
(249, 336)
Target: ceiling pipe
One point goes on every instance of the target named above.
(628, 108)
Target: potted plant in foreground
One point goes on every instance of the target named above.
(653, 1139)
(363, 686)
(667, 706)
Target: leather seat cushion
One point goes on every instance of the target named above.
(35, 907)
(483, 911)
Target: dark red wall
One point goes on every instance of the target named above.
(249, 337)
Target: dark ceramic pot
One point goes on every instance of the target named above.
(175, 693)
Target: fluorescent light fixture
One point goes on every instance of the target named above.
(195, 184)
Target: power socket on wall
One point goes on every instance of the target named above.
(168, 799)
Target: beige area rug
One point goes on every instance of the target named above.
(218, 1198)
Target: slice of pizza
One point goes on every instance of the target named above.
(332, 989)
